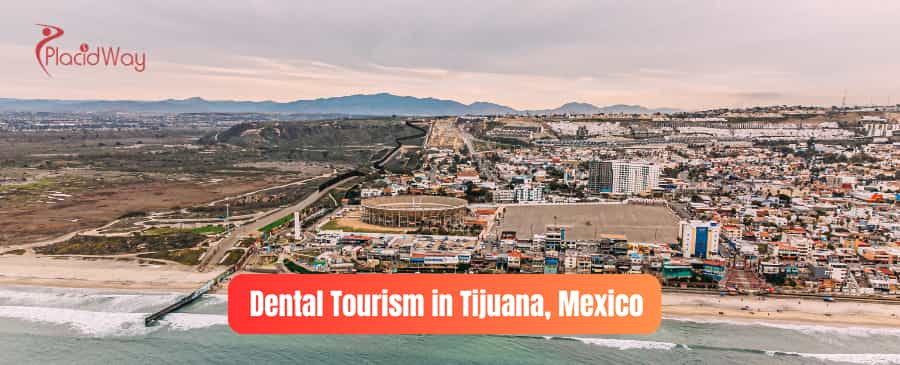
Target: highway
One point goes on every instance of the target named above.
(252, 228)
(467, 139)
(485, 167)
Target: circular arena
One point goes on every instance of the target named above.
(414, 210)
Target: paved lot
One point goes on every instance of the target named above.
(639, 223)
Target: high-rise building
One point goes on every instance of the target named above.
(622, 177)
(699, 238)
(600, 176)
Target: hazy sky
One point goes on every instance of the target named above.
(524, 54)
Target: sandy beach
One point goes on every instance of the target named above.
(78, 272)
(732, 308)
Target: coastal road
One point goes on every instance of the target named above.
(252, 229)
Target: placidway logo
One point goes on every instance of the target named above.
(85, 56)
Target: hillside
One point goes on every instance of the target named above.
(585, 108)
(354, 141)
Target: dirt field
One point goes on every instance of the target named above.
(34, 214)
(58, 182)
(639, 223)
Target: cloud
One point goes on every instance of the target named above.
(525, 53)
(758, 95)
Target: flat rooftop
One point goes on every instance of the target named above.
(638, 223)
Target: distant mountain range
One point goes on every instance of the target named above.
(585, 108)
(372, 104)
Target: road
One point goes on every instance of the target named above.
(304, 181)
(467, 139)
(252, 229)
(486, 168)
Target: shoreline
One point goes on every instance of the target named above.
(700, 308)
(75, 272)
(750, 309)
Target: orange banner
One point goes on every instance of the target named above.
(444, 304)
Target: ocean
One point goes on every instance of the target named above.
(91, 326)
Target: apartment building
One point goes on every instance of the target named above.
(622, 176)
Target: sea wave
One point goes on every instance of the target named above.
(189, 321)
(105, 324)
(810, 329)
(209, 300)
(90, 299)
(621, 344)
(864, 358)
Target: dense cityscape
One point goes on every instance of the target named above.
(778, 199)
(763, 200)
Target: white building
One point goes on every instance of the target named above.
(370, 192)
(803, 244)
(623, 177)
(521, 194)
(527, 193)
(699, 238)
(838, 271)
(504, 196)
